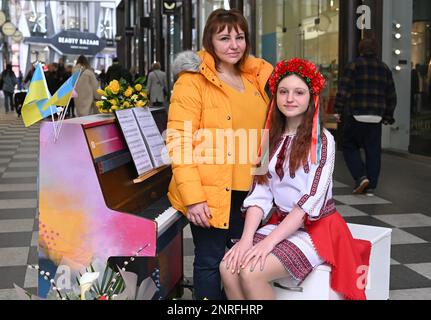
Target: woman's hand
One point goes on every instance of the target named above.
(199, 214)
(257, 253)
(236, 254)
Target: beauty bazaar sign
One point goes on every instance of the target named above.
(75, 42)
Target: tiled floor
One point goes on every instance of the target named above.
(18, 202)
(402, 202)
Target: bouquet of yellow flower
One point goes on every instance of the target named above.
(119, 94)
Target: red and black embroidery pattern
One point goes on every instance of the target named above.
(318, 174)
(276, 146)
(306, 167)
(292, 258)
(281, 157)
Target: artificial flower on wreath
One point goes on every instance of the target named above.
(100, 282)
(119, 94)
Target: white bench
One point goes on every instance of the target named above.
(317, 285)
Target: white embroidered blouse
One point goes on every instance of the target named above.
(309, 188)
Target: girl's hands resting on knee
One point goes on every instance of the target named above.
(235, 255)
(258, 253)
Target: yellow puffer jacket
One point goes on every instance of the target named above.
(198, 98)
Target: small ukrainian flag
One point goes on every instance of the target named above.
(38, 94)
(62, 96)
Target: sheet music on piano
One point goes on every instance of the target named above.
(134, 140)
(152, 136)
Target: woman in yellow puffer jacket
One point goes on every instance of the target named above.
(217, 111)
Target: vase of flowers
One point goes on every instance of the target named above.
(119, 94)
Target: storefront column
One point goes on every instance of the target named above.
(121, 33)
(237, 4)
(376, 30)
(5, 49)
(253, 24)
(158, 37)
(349, 37)
(350, 34)
(140, 35)
(187, 24)
(269, 32)
(128, 38)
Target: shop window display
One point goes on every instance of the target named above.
(420, 110)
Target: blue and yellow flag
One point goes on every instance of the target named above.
(38, 94)
(62, 96)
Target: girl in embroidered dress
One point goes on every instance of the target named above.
(304, 230)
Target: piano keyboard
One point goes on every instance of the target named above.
(166, 219)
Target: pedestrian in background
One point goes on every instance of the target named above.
(51, 76)
(134, 72)
(157, 86)
(29, 75)
(219, 88)
(67, 74)
(20, 80)
(85, 88)
(116, 71)
(9, 82)
(102, 78)
(366, 99)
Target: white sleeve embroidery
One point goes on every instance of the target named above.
(260, 196)
(313, 198)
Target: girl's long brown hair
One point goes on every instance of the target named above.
(302, 141)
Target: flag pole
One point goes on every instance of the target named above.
(63, 113)
(54, 127)
(53, 122)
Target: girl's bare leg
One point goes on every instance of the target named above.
(231, 284)
(256, 284)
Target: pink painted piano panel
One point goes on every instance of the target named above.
(75, 223)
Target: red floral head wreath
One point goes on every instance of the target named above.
(315, 81)
(302, 68)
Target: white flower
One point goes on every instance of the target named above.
(89, 277)
(86, 282)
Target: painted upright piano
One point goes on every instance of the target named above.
(90, 208)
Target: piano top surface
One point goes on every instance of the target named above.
(94, 118)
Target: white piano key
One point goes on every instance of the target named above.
(166, 219)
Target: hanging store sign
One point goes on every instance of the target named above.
(17, 36)
(8, 29)
(75, 42)
(169, 6)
